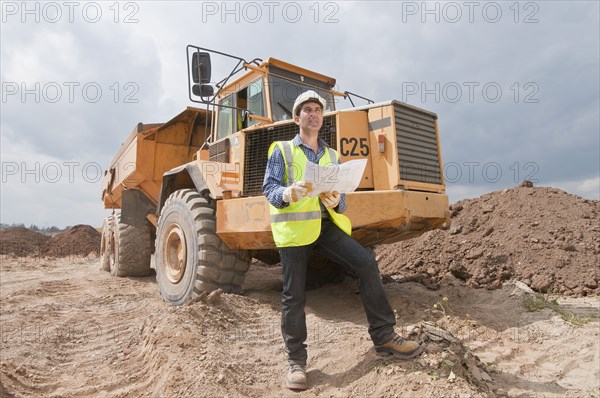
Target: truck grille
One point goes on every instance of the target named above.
(219, 152)
(258, 143)
(416, 139)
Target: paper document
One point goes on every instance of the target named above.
(343, 177)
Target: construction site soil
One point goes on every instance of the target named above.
(543, 237)
(79, 240)
(69, 329)
(21, 242)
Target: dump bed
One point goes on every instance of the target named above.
(150, 151)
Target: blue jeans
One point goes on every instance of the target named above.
(335, 245)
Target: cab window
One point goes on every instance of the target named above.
(284, 92)
(251, 99)
(225, 121)
(256, 104)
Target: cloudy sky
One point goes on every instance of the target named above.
(515, 84)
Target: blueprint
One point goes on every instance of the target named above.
(343, 177)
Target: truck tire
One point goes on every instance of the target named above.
(130, 249)
(105, 244)
(190, 257)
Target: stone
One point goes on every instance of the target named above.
(488, 231)
(541, 283)
(522, 287)
(214, 297)
(505, 275)
(459, 272)
(474, 254)
(571, 284)
(456, 230)
(488, 209)
(591, 284)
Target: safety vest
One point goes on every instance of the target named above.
(299, 224)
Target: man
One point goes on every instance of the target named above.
(302, 223)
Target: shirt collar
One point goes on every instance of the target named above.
(297, 141)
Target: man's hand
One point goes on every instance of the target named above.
(297, 191)
(330, 199)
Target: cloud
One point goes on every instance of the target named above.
(588, 188)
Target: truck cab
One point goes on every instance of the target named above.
(266, 94)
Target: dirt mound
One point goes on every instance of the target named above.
(544, 237)
(80, 240)
(21, 241)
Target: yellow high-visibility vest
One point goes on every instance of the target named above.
(299, 224)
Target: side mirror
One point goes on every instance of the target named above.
(201, 67)
(203, 90)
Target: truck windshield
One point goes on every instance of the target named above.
(284, 93)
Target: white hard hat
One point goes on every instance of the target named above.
(307, 96)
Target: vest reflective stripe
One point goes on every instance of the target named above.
(283, 217)
(287, 154)
(299, 223)
(332, 154)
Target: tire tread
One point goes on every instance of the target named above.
(217, 266)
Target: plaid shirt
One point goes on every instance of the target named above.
(273, 183)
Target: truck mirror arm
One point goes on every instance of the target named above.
(349, 95)
(237, 68)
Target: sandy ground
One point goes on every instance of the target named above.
(70, 330)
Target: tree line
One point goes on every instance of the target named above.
(33, 227)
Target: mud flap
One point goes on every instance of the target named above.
(135, 207)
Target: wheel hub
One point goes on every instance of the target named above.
(175, 253)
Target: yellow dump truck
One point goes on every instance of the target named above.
(190, 190)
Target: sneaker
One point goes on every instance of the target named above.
(296, 378)
(403, 349)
